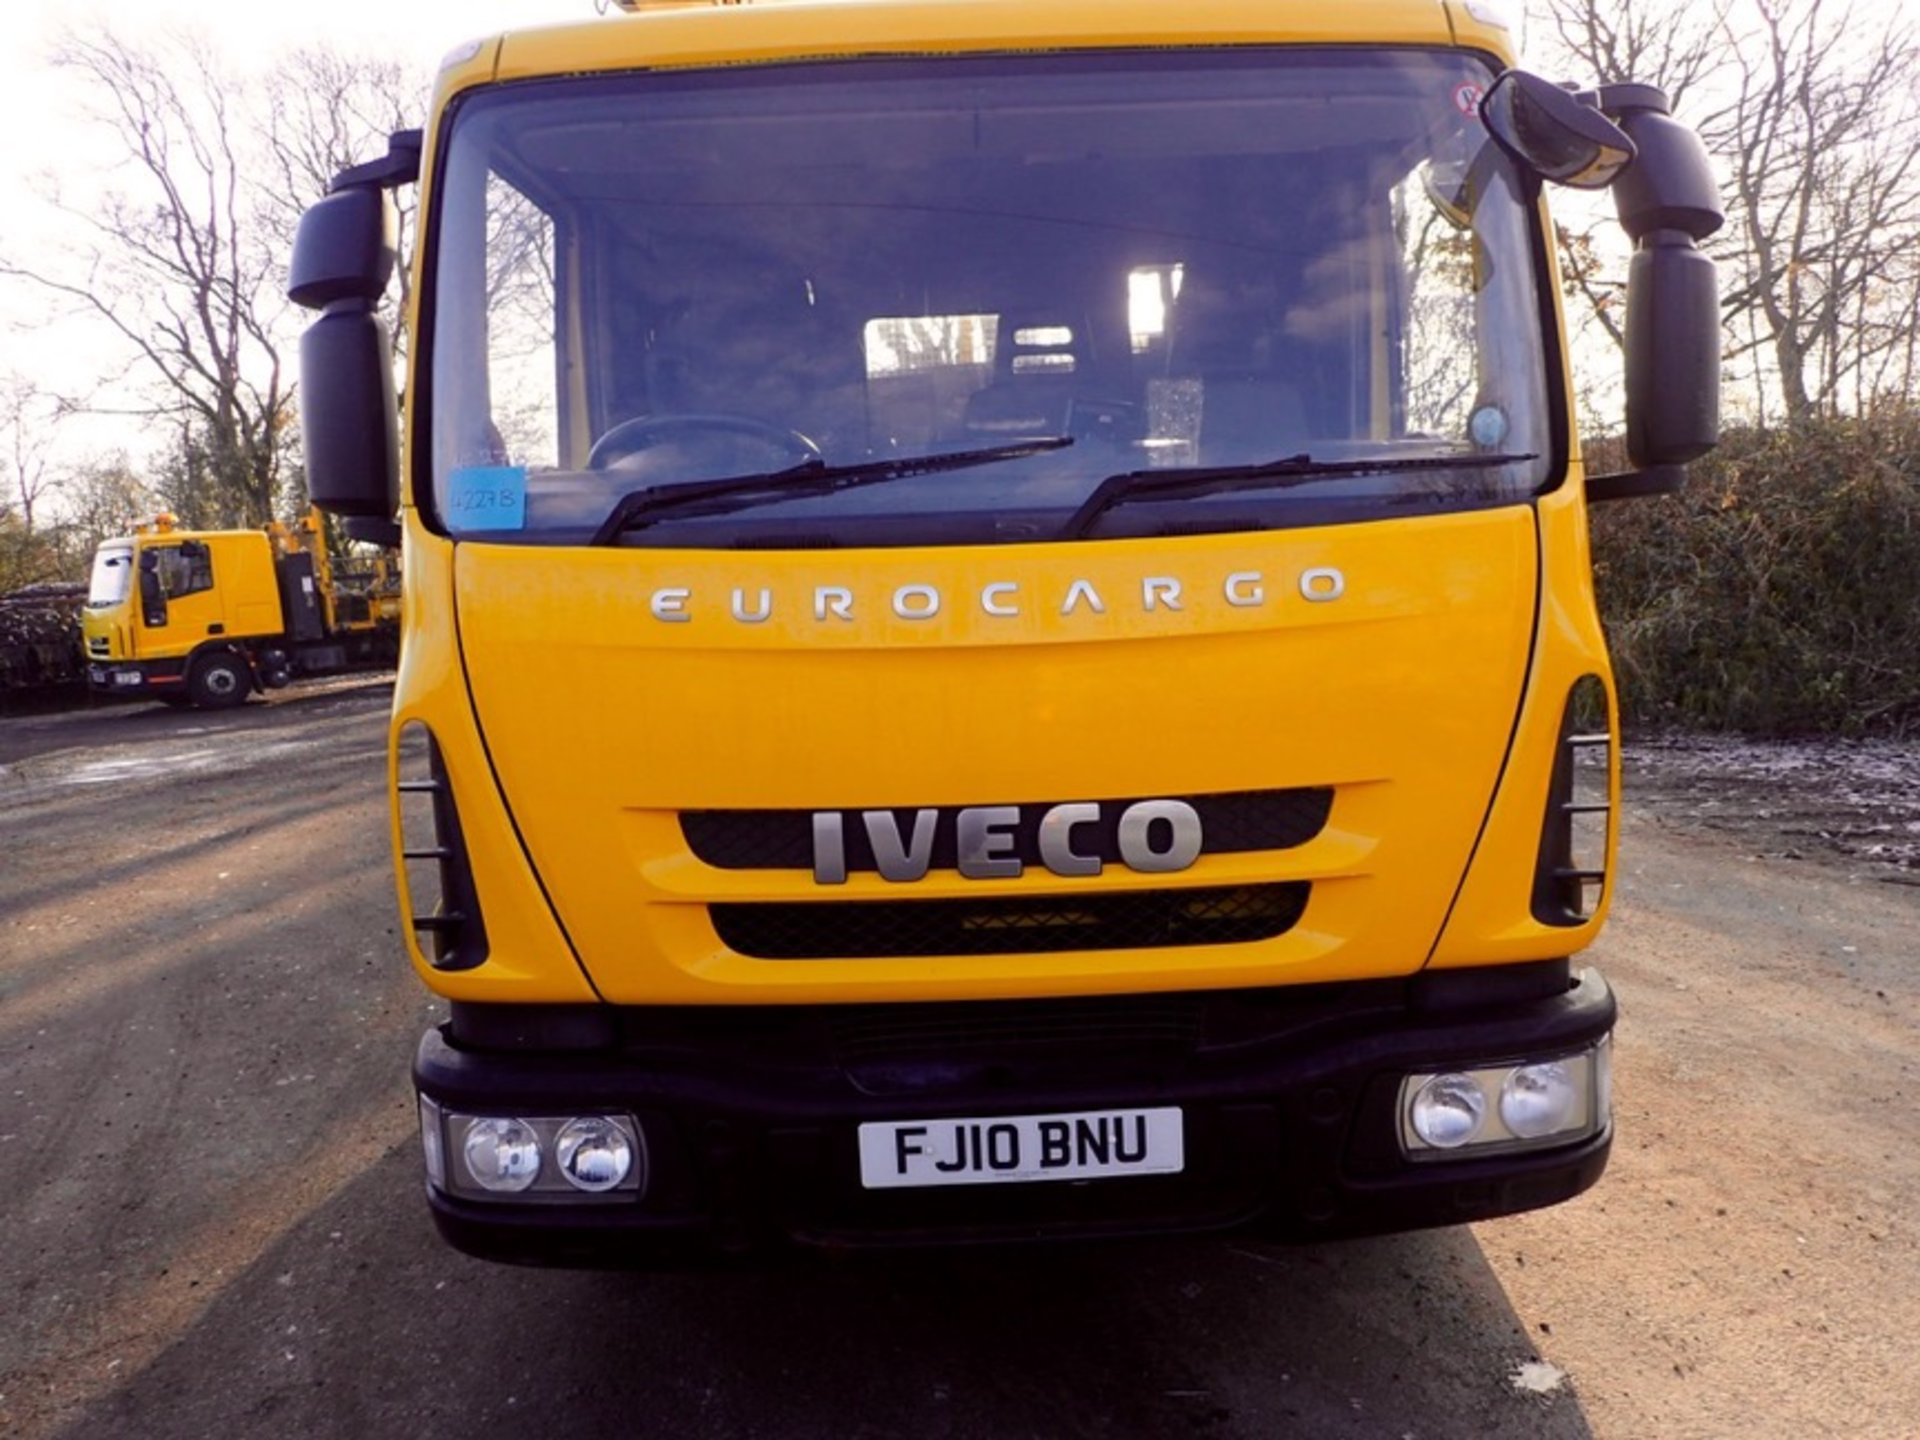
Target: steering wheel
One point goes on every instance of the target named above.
(644, 432)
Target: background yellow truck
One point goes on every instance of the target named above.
(206, 617)
(1000, 640)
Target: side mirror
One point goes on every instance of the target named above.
(1670, 184)
(1663, 189)
(343, 256)
(1668, 203)
(345, 250)
(1673, 352)
(1554, 133)
(350, 416)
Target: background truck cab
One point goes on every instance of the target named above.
(206, 617)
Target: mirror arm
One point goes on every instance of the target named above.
(399, 166)
(372, 530)
(1636, 484)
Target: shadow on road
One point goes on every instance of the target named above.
(217, 1229)
(358, 1324)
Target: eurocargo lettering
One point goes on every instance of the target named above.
(1003, 599)
(1000, 643)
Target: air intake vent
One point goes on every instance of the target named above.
(1571, 876)
(442, 906)
(1010, 925)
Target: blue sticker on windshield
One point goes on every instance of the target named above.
(487, 497)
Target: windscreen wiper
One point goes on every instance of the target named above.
(638, 509)
(1279, 474)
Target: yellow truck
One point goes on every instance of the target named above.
(1000, 639)
(207, 617)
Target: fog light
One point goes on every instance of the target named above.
(594, 1154)
(502, 1155)
(1448, 1111)
(1538, 1100)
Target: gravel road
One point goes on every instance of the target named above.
(209, 1191)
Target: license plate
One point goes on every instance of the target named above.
(1017, 1149)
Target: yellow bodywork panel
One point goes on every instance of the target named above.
(529, 958)
(1493, 921)
(616, 689)
(695, 36)
(584, 699)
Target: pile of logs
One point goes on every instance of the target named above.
(40, 637)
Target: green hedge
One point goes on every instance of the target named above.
(1779, 594)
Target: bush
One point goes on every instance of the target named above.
(1779, 594)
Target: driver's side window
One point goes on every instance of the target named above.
(184, 569)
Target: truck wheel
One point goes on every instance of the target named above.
(220, 681)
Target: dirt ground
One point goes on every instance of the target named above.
(209, 1190)
(1850, 804)
(1754, 1241)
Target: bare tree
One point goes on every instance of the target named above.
(334, 111)
(1826, 188)
(101, 497)
(1620, 40)
(28, 415)
(183, 257)
(170, 260)
(1813, 118)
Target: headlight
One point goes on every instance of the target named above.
(1522, 1105)
(502, 1155)
(541, 1158)
(594, 1154)
(1538, 1100)
(1448, 1111)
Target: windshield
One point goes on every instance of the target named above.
(112, 576)
(1150, 261)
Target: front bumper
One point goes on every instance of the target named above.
(137, 677)
(1289, 1101)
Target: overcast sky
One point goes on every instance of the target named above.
(39, 133)
(417, 30)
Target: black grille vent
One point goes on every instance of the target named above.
(1019, 925)
(1233, 823)
(787, 542)
(994, 1031)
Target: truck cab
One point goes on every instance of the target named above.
(206, 617)
(1000, 636)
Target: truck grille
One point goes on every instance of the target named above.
(990, 1031)
(1020, 925)
(1232, 823)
